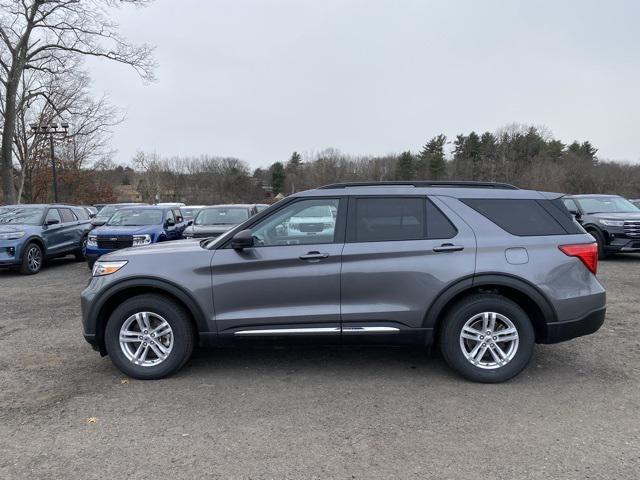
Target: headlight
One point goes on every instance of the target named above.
(107, 268)
(612, 223)
(141, 240)
(92, 241)
(12, 235)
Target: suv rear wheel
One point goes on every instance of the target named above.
(149, 337)
(487, 338)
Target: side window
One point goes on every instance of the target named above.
(387, 219)
(67, 215)
(521, 217)
(303, 222)
(438, 225)
(570, 204)
(81, 213)
(178, 215)
(53, 214)
(170, 215)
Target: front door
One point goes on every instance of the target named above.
(53, 234)
(288, 283)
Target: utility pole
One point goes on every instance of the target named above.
(51, 129)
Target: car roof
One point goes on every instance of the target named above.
(593, 195)
(463, 190)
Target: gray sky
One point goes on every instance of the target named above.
(258, 79)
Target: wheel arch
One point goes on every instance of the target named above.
(129, 288)
(522, 292)
(35, 239)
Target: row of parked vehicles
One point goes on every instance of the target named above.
(31, 234)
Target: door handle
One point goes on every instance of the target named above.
(314, 256)
(448, 247)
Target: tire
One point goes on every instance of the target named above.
(80, 254)
(90, 264)
(602, 253)
(452, 343)
(32, 259)
(156, 306)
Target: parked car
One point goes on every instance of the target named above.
(313, 221)
(484, 270)
(107, 210)
(135, 226)
(636, 202)
(612, 220)
(30, 234)
(190, 211)
(215, 220)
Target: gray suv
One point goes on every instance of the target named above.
(484, 270)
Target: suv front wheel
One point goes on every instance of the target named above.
(487, 338)
(149, 337)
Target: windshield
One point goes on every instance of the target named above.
(222, 216)
(607, 205)
(21, 215)
(107, 211)
(189, 212)
(130, 217)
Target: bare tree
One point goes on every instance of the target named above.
(44, 36)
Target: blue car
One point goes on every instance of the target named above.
(29, 234)
(135, 226)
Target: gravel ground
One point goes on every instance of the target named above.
(362, 413)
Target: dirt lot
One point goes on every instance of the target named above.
(311, 413)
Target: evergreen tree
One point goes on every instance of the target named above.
(278, 177)
(431, 162)
(406, 167)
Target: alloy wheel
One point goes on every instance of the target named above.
(146, 339)
(34, 258)
(489, 340)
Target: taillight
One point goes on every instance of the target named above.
(586, 252)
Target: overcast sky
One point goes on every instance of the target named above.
(258, 79)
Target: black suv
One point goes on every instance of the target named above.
(612, 220)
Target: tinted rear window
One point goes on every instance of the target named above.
(438, 225)
(388, 219)
(519, 217)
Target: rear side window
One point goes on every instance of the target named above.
(518, 217)
(388, 219)
(67, 215)
(438, 225)
(81, 213)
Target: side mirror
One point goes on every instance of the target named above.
(52, 221)
(92, 215)
(243, 239)
(98, 223)
(170, 223)
(189, 223)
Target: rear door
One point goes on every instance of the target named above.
(400, 253)
(288, 283)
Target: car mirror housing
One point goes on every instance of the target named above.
(243, 239)
(52, 221)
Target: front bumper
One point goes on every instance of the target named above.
(11, 252)
(566, 330)
(618, 241)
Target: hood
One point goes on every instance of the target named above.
(205, 229)
(133, 230)
(616, 216)
(16, 227)
(176, 247)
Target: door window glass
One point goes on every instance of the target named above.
(438, 225)
(53, 214)
(170, 215)
(387, 219)
(303, 222)
(570, 204)
(67, 215)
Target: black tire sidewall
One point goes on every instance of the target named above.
(24, 266)
(463, 311)
(183, 336)
(602, 253)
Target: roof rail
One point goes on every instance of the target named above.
(424, 183)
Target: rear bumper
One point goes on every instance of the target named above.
(562, 331)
